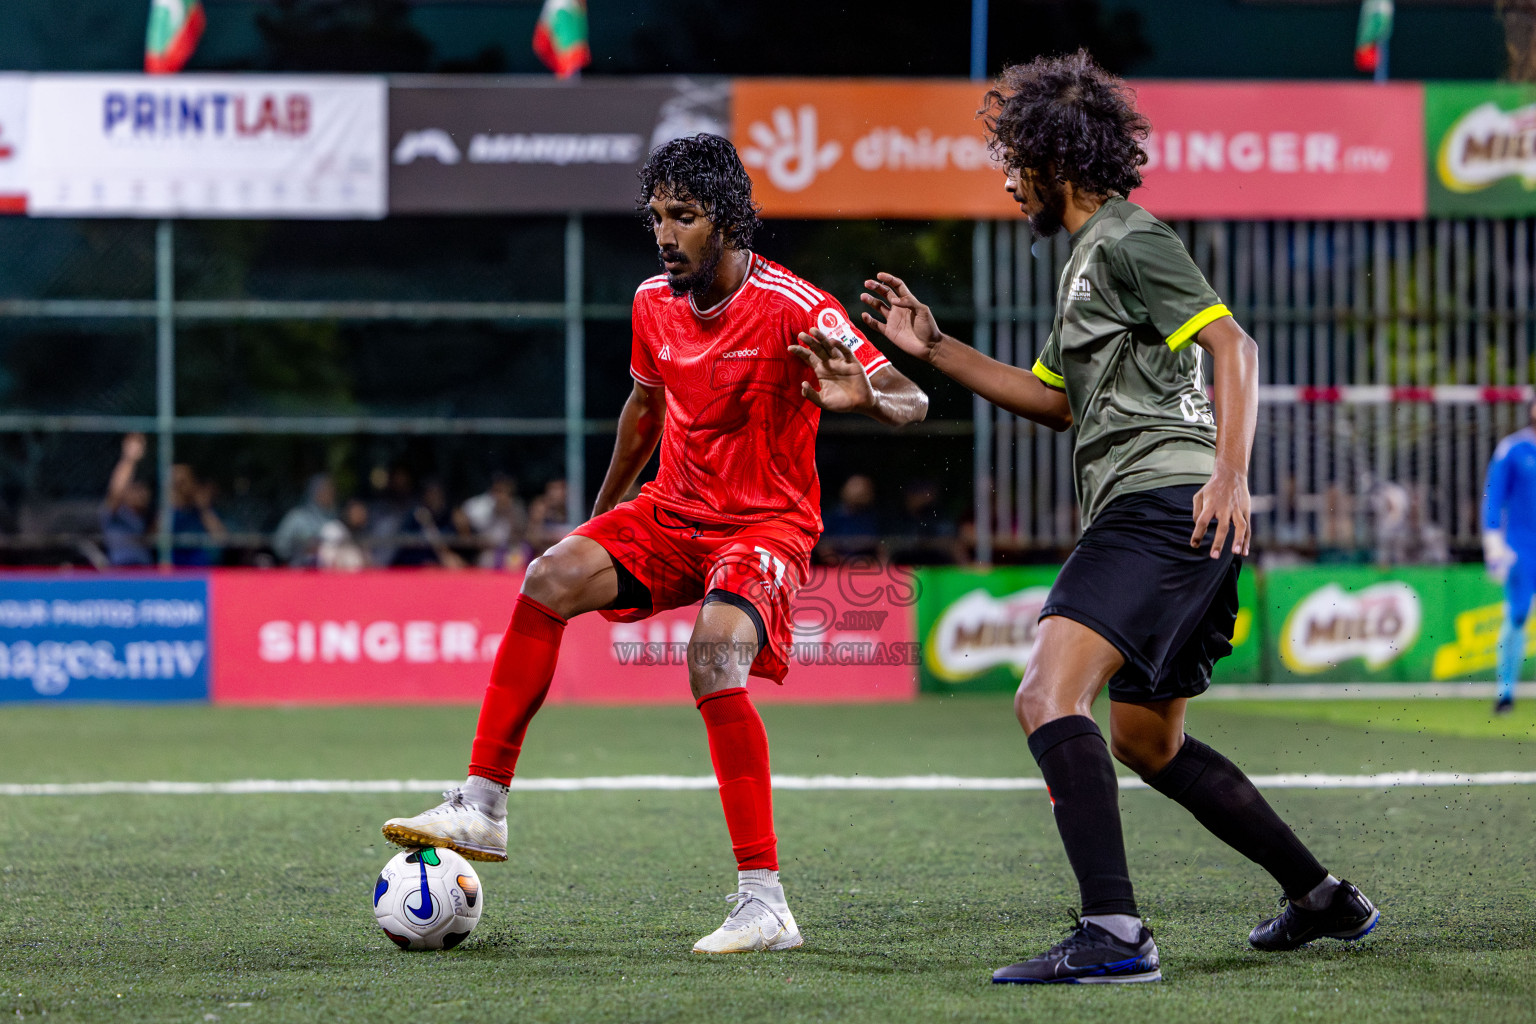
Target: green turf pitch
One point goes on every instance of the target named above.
(256, 908)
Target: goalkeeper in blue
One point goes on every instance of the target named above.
(1509, 547)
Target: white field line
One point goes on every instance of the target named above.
(867, 783)
(1358, 691)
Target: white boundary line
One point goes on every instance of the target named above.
(658, 783)
(1356, 691)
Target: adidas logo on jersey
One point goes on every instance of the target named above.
(665, 353)
(1080, 291)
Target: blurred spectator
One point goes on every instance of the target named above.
(497, 523)
(1389, 513)
(1336, 542)
(1433, 544)
(192, 516)
(548, 520)
(339, 546)
(424, 534)
(125, 513)
(922, 534)
(297, 540)
(392, 513)
(852, 527)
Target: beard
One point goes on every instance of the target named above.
(1053, 210)
(697, 281)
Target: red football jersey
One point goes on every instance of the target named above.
(739, 444)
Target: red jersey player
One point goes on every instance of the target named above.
(734, 358)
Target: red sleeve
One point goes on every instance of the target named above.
(830, 317)
(642, 359)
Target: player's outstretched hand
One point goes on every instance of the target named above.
(1225, 499)
(841, 384)
(903, 321)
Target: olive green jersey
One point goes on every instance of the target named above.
(1128, 306)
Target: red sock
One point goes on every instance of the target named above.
(738, 745)
(519, 681)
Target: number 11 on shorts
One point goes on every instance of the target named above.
(770, 565)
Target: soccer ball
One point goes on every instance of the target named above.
(427, 899)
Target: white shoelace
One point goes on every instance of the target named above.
(742, 899)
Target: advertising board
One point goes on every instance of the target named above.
(13, 141)
(103, 639)
(1287, 150)
(1480, 139)
(430, 637)
(977, 628)
(206, 146)
(883, 148)
(1410, 624)
(537, 146)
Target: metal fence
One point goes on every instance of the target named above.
(1392, 355)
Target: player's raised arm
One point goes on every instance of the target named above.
(843, 384)
(645, 412)
(1225, 498)
(909, 324)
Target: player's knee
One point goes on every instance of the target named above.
(712, 666)
(1145, 755)
(1032, 703)
(551, 578)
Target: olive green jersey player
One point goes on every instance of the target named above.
(1128, 307)
(1146, 602)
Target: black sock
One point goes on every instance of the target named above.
(1085, 798)
(1222, 799)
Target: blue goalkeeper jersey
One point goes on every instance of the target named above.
(1509, 503)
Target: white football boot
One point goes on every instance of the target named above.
(456, 824)
(753, 924)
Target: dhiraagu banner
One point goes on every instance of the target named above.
(977, 628)
(1413, 624)
(1481, 149)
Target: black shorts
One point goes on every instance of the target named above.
(1167, 607)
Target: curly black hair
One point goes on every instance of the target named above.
(704, 169)
(1067, 119)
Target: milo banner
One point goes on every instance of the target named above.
(1480, 142)
(977, 628)
(1414, 624)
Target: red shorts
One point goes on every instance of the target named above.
(680, 560)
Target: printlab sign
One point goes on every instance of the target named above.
(103, 639)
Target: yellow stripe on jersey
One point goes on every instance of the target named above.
(1042, 371)
(1186, 334)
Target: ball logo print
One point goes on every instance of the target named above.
(427, 899)
(422, 908)
(788, 149)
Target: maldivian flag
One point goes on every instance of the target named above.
(1375, 29)
(175, 26)
(560, 38)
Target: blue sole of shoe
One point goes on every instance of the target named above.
(1105, 979)
(1370, 926)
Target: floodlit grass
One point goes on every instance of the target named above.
(255, 908)
(1467, 718)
